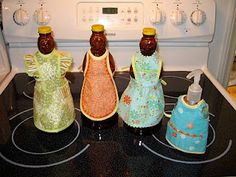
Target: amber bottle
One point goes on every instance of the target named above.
(52, 101)
(147, 45)
(46, 42)
(98, 48)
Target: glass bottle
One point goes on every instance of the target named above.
(52, 102)
(98, 50)
(46, 42)
(148, 51)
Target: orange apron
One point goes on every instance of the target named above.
(99, 98)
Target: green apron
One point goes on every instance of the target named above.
(53, 104)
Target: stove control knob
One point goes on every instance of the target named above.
(178, 17)
(198, 17)
(158, 16)
(21, 17)
(41, 16)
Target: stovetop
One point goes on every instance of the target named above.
(80, 151)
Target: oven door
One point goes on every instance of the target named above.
(4, 62)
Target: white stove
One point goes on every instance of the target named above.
(185, 29)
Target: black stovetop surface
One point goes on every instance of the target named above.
(82, 152)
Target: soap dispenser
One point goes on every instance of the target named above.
(194, 90)
(187, 129)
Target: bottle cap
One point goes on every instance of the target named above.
(97, 28)
(149, 31)
(44, 29)
(194, 90)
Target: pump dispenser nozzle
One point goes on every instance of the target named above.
(194, 90)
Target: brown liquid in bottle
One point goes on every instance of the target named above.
(98, 44)
(147, 45)
(46, 42)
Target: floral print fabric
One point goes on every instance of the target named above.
(53, 103)
(142, 103)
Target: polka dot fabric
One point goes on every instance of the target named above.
(187, 130)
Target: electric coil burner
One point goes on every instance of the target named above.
(81, 151)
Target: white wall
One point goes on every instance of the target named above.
(224, 42)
